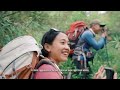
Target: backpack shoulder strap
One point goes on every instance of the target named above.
(40, 63)
(44, 61)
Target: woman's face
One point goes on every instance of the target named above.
(59, 50)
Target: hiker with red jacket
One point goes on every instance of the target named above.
(82, 53)
(56, 50)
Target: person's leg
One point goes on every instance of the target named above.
(76, 63)
(89, 67)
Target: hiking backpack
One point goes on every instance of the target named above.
(19, 57)
(75, 30)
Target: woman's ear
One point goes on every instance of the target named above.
(47, 47)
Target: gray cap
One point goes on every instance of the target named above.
(98, 22)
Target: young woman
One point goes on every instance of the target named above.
(56, 50)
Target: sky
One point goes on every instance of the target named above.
(102, 12)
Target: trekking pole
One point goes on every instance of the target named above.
(69, 75)
(103, 30)
(106, 50)
(84, 67)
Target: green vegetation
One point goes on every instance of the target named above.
(36, 23)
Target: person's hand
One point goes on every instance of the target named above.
(104, 31)
(101, 74)
(104, 34)
(115, 75)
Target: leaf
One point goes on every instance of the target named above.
(117, 45)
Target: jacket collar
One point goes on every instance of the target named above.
(92, 31)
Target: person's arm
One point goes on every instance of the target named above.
(46, 71)
(89, 38)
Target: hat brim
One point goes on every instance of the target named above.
(102, 25)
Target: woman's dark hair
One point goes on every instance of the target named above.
(48, 37)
